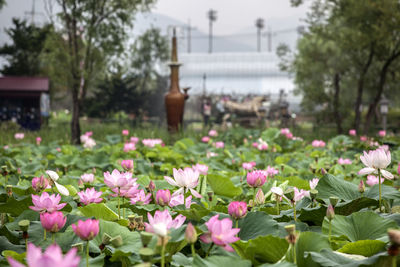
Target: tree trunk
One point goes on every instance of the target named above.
(336, 112)
(75, 126)
(360, 89)
(380, 89)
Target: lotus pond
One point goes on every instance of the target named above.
(234, 198)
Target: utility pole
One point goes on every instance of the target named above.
(269, 36)
(212, 16)
(32, 13)
(189, 37)
(260, 25)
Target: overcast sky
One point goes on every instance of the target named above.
(233, 15)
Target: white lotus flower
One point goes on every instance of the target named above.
(375, 160)
(186, 179)
(277, 190)
(54, 177)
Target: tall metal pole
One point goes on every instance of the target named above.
(260, 26)
(212, 16)
(189, 28)
(269, 35)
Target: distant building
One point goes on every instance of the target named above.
(24, 100)
(236, 74)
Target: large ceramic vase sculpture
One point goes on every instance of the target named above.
(174, 99)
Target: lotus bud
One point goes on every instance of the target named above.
(152, 186)
(78, 246)
(190, 234)
(323, 171)
(163, 197)
(289, 193)
(9, 190)
(146, 254)
(24, 225)
(117, 241)
(127, 165)
(313, 193)
(146, 238)
(106, 239)
(330, 213)
(333, 201)
(361, 187)
(260, 197)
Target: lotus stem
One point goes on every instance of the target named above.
(380, 190)
(123, 209)
(294, 211)
(119, 210)
(162, 252)
(294, 254)
(26, 244)
(237, 223)
(87, 253)
(209, 249)
(330, 230)
(394, 261)
(44, 235)
(277, 203)
(193, 250)
(254, 196)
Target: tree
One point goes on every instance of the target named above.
(95, 30)
(27, 43)
(366, 36)
(137, 86)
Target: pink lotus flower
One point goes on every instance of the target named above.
(152, 142)
(38, 140)
(256, 178)
(162, 222)
(89, 134)
(141, 198)
(237, 209)
(201, 168)
(285, 131)
(46, 203)
(205, 139)
(125, 132)
(342, 161)
(221, 233)
(117, 179)
(51, 257)
(19, 136)
(87, 178)
(129, 147)
(90, 196)
(318, 143)
(271, 172)
(213, 133)
(40, 183)
(134, 139)
(219, 144)
(363, 138)
(53, 222)
(248, 165)
(300, 194)
(373, 180)
(180, 200)
(163, 197)
(313, 183)
(127, 165)
(375, 160)
(260, 145)
(352, 132)
(289, 136)
(382, 133)
(89, 143)
(86, 230)
(186, 179)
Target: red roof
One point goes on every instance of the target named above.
(13, 83)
